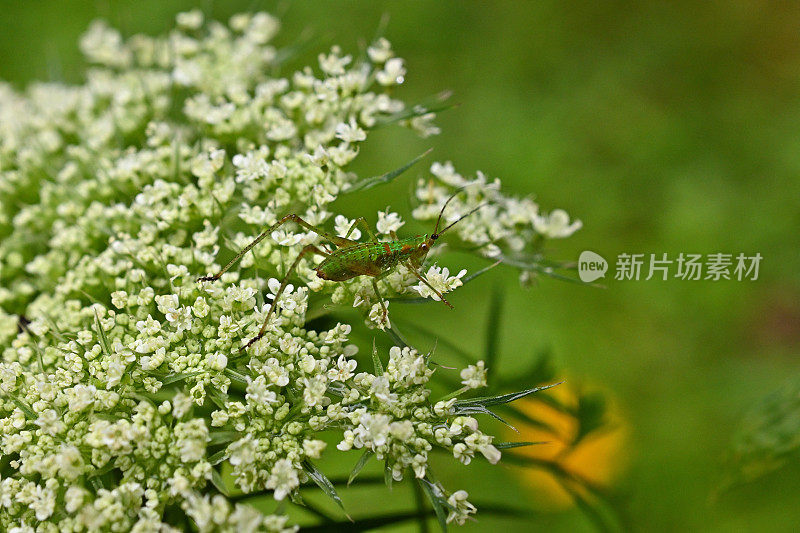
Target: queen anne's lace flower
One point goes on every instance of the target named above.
(460, 508)
(441, 280)
(380, 52)
(350, 132)
(474, 376)
(123, 387)
(283, 478)
(556, 224)
(388, 222)
(393, 72)
(343, 225)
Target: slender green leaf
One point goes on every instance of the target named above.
(96, 483)
(106, 468)
(487, 508)
(176, 158)
(25, 408)
(222, 437)
(54, 330)
(219, 398)
(359, 466)
(509, 445)
(39, 358)
(455, 394)
(324, 483)
(377, 523)
(219, 484)
(235, 376)
(172, 378)
(419, 500)
(480, 272)
(396, 337)
(297, 498)
(364, 480)
(374, 181)
(218, 457)
(504, 398)
(104, 344)
(414, 300)
(387, 475)
(437, 500)
(429, 355)
(481, 410)
(146, 397)
(337, 389)
(380, 31)
(376, 360)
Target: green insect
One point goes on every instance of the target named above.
(350, 258)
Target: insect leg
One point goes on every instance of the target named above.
(330, 237)
(378, 294)
(339, 241)
(363, 223)
(305, 251)
(425, 281)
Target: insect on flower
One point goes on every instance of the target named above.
(350, 258)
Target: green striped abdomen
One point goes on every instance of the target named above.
(367, 258)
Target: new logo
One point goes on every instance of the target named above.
(591, 266)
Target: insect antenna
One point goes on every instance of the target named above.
(436, 231)
(460, 219)
(438, 220)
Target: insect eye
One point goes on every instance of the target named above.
(423, 246)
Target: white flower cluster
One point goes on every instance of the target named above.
(393, 418)
(504, 223)
(441, 280)
(122, 387)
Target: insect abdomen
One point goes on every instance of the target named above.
(363, 259)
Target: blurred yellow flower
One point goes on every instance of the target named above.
(598, 457)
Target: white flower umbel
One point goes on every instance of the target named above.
(502, 225)
(124, 391)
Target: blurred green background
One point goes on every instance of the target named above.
(664, 127)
